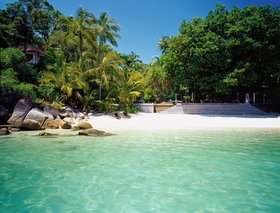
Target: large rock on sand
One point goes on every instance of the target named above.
(84, 125)
(71, 112)
(4, 131)
(30, 124)
(53, 111)
(59, 121)
(20, 111)
(68, 120)
(56, 123)
(38, 115)
(94, 133)
(66, 126)
(50, 124)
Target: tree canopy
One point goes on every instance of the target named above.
(80, 68)
(26, 22)
(228, 51)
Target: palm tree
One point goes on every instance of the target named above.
(163, 43)
(82, 26)
(131, 60)
(129, 84)
(107, 29)
(108, 65)
(97, 60)
(157, 81)
(65, 77)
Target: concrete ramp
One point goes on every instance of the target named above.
(176, 109)
(216, 109)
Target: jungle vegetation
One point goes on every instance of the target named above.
(228, 51)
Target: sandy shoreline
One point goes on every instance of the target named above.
(147, 121)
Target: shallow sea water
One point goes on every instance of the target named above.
(156, 171)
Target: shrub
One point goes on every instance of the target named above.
(15, 76)
(15, 59)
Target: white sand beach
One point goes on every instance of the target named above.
(147, 121)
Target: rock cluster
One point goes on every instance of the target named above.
(30, 116)
(86, 132)
(4, 131)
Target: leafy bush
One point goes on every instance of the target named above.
(8, 77)
(133, 108)
(27, 90)
(16, 77)
(12, 89)
(48, 92)
(11, 57)
(15, 59)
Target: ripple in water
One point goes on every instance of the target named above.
(175, 171)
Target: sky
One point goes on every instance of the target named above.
(144, 22)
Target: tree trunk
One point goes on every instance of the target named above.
(86, 108)
(100, 89)
(81, 46)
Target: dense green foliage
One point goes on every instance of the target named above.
(26, 22)
(87, 71)
(17, 77)
(80, 67)
(228, 51)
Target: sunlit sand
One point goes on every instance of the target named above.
(145, 121)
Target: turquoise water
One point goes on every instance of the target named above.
(160, 171)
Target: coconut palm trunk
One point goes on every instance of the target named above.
(81, 46)
(100, 89)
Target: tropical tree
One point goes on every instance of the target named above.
(228, 51)
(107, 30)
(66, 77)
(163, 43)
(108, 65)
(98, 62)
(132, 61)
(16, 77)
(107, 62)
(158, 84)
(27, 22)
(129, 84)
(82, 27)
